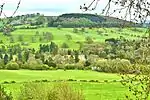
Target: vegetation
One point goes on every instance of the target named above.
(4, 95)
(34, 21)
(87, 48)
(60, 91)
(94, 88)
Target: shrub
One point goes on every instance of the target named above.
(24, 43)
(87, 68)
(39, 91)
(1, 41)
(83, 81)
(4, 95)
(91, 80)
(75, 30)
(51, 68)
(32, 91)
(114, 80)
(112, 66)
(68, 36)
(106, 34)
(5, 82)
(70, 80)
(11, 39)
(45, 81)
(36, 64)
(106, 81)
(37, 81)
(38, 67)
(25, 66)
(74, 66)
(20, 63)
(13, 81)
(64, 45)
(2, 65)
(62, 91)
(99, 32)
(70, 66)
(59, 27)
(82, 29)
(45, 66)
(12, 66)
(89, 40)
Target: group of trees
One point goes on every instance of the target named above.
(33, 21)
(116, 55)
(37, 37)
(48, 56)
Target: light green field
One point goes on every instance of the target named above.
(59, 35)
(27, 75)
(92, 91)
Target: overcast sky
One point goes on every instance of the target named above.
(49, 7)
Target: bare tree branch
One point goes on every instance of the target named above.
(133, 10)
(2, 8)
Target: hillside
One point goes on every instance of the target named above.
(65, 20)
(88, 20)
(34, 37)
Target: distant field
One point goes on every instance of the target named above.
(92, 91)
(59, 35)
(27, 75)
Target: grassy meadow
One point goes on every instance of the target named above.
(59, 35)
(92, 90)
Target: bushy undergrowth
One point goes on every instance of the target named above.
(112, 66)
(4, 95)
(60, 91)
(74, 66)
(12, 66)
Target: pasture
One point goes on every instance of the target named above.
(92, 90)
(59, 36)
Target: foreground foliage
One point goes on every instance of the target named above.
(4, 95)
(60, 91)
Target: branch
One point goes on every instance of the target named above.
(136, 10)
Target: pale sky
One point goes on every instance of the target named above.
(49, 7)
(52, 7)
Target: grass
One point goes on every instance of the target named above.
(92, 91)
(27, 75)
(59, 35)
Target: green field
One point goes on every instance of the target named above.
(59, 35)
(91, 90)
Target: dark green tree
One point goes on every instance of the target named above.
(64, 45)
(6, 59)
(26, 55)
(76, 56)
(11, 56)
(19, 56)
